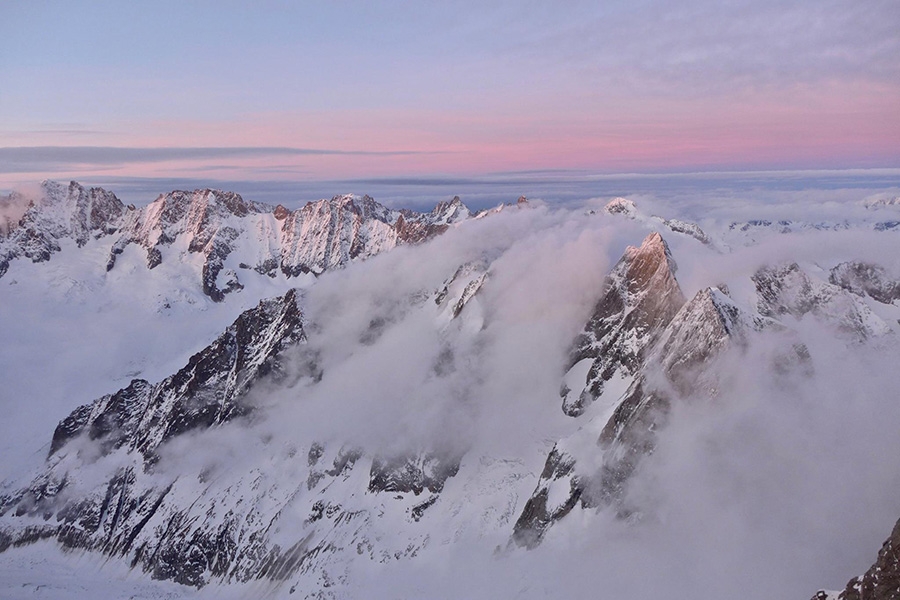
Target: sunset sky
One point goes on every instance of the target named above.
(278, 91)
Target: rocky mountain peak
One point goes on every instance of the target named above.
(364, 207)
(649, 265)
(640, 297)
(198, 208)
(127, 509)
(205, 392)
(641, 327)
(881, 201)
(58, 212)
(700, 330)
(281, 212)
(449, 212)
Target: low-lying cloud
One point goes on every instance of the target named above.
(779, 485)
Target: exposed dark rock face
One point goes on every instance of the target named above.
(640, 297)
(880, 582)
(538, 515)
(458, 290)
(112, 419)
(700, 331)
(869, 279)
(413, 227)
(133, 423)
(412, 474)
(205, 392)
(887, 226)
(784, 290)
(412, 231)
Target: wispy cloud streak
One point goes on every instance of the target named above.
(25, 159)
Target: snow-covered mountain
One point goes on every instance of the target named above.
(497, 392)
(230, 236)
(748, 232)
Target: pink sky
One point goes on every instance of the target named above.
(448, 90)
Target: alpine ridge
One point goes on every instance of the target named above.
(231, 237)
(497, 392)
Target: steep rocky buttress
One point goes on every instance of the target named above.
(110, 484)
(643, 349)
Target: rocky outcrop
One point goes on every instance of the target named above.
(880, 582)
(879, 201)
(621, 206)
(866, 279)
(659, 350)
(415, 227)
(206, 392)
(640, 298)
(459, 289)
(691, 229)
(620, 437)
(412, 474)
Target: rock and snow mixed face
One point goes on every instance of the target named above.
(228, 233)
(640, 297)
(60, 212)
(292, 446)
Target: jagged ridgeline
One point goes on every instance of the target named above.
(105, 488)
(213, 224)
(119, 479)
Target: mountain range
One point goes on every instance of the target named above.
(353, 419)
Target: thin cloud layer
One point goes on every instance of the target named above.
(40, 159)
